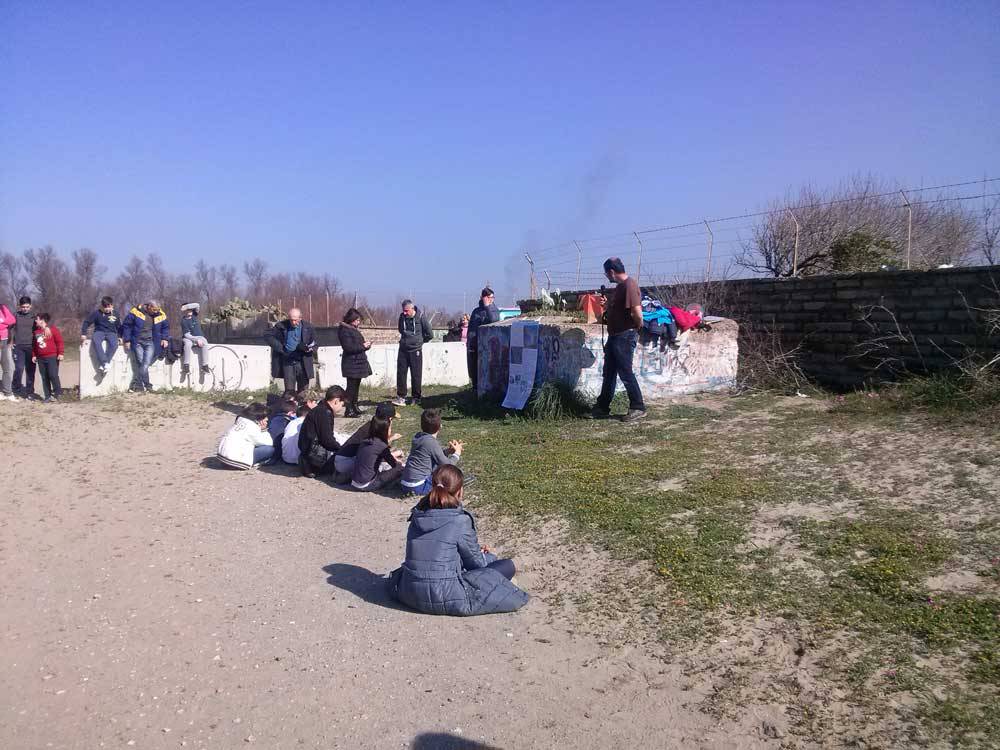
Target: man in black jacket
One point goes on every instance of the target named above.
(414, 332)
(293, 346)
(317, 443)
(486, 313)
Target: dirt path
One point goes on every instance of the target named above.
(151, 600)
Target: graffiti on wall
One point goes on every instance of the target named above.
(704, 360)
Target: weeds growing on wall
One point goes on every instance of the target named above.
(555, 400)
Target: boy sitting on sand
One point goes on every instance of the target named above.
(426, 454)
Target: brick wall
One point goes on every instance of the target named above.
(857, 327)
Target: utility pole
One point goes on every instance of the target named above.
(531, 264)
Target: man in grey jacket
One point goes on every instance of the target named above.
(414, 332)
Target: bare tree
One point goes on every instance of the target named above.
(14, 281)
(230, 281)
(159, 277)
(860, 226)
(49, 275)
(133, 282)
(988, 242)
(256, 273)
(85, 283)
(207, 279)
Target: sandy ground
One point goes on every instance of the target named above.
(152, 599)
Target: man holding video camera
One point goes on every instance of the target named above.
(623, 315)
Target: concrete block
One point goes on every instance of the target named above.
(444, 364)
(234, 367)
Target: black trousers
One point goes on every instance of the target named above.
(23, 363)
(49, 369)
(295, 375)
(413, 363)
(353, 385)
(472, 357)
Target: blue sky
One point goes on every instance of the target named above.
(420, 148)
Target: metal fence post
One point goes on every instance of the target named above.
(579, 260)
(711, 242)
(795, 252)
(638, 267)
(531, 265)
(909, 226)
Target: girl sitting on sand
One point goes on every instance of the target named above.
(446, 572)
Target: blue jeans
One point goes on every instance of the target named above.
(105, 344)
(618, 364)
(143, 359)
(420, 489)
(262, 454)
(23, 363)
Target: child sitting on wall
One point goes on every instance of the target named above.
(426, 454)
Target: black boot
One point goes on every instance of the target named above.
(305, 468)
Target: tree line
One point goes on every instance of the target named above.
(69, 288)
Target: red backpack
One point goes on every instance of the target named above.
(686, 319)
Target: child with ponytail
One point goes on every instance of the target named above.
(446, 572)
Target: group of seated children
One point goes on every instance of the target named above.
(446, 571)
(301, 432)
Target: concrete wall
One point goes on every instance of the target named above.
(444, 364)
(233, 368)
(574, 354)
(241, 367)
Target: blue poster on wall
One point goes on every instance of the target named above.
(523, 361)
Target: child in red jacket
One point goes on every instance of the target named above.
(47, 351)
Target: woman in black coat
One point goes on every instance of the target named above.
(354, 360)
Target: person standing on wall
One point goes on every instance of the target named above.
(146, 333)
(483, 315)
(414, 332)
(354, 363)
(623, 314)
(293, 345)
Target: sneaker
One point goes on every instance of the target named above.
(185, 371)
(103, 368)
(206, 369)
(416, 401)
(634, 415)
(598, 413)
(48, 400)
(399, 401)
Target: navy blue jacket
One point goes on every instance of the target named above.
(101, 321)
(481, 316)
(132, 325)
(191, 325)
(445, 569)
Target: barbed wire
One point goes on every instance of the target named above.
(564, 263)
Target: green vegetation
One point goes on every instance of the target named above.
(683, 491)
